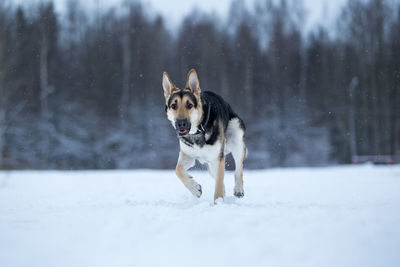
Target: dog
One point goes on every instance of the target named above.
(208, 129)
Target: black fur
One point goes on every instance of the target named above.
(220, 111)
(222, 152)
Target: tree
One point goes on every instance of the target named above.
(5, 66)
(364, 28)
(48, 32)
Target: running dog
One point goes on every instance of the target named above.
(208, 129)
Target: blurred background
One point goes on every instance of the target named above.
(316, 82)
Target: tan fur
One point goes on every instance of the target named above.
(217, 167)
(184, 163)
(173, 90)
(197, 90)
(219, 183)
(239, 172)
(182, 111)
(181, 168)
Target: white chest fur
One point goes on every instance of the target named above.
(204, 154)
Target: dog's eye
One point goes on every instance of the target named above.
(189, 105)
(173, 106)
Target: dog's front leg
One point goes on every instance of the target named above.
(184, 163)
(217, 168)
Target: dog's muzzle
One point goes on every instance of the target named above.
(182, 127)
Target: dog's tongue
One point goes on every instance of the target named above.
(182, 132)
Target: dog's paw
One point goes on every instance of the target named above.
(195, 188)
(219, 193)
(219, 200)
(238, 192)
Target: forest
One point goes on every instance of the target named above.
(82, 89)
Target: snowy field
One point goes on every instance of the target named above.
(336, 216)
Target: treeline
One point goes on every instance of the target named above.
(83, 90)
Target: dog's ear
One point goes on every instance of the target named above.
(193, 82)
(168, 85)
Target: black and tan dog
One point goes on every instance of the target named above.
(207, 129)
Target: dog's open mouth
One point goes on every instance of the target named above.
(182, 132)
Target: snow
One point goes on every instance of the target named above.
(333, 216)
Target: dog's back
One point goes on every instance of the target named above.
(220, 108)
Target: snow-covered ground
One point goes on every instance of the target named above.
(335, 216)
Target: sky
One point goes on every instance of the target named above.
(319, 11)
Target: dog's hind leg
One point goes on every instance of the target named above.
(237, 146)
(239, 153)
(184, 163)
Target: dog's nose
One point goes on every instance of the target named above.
(181, 124)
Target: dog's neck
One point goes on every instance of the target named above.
(202, 127)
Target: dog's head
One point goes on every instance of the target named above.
(183, 106)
